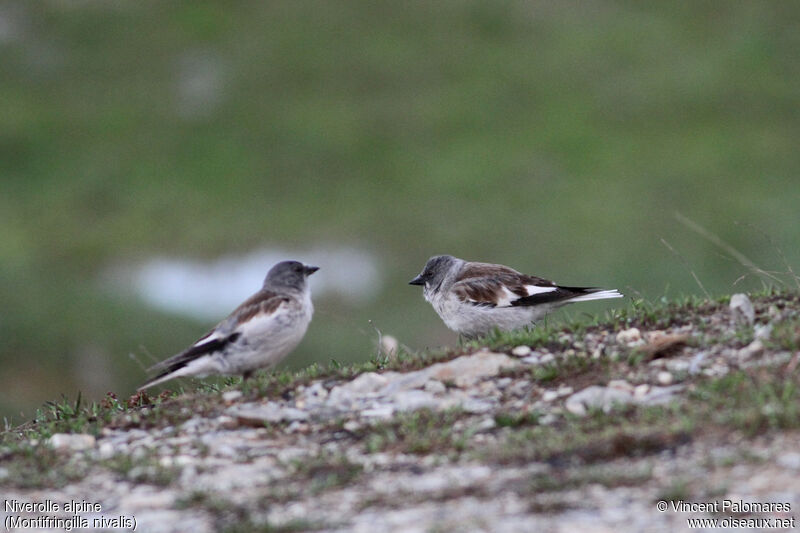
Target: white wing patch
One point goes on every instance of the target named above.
(506, 298)
(214, 335)
(536, 289)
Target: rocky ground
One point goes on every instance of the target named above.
(583, 427)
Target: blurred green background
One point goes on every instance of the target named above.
(556, 137)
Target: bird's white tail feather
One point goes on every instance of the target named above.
(156, 381)
(197, 368)
(599, 295)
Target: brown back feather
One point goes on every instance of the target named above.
(264, 301)
(482, 283)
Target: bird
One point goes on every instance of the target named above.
(475, 298)
(259, 333)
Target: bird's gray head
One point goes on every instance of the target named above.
(289, 274)
(435, 271)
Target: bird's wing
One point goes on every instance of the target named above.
(489, 285)
(262, 305)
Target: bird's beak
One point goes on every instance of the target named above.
(310, 269)
(417, 281)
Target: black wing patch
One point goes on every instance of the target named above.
(558, 295)
(178, 361)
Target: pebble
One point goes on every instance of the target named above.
(629, 336)
(389, 346)
(620, 384)
(352, 425)
(532, 360)
(790, 460)
(105, 450)
(547, 419)
(521, 351)
(549, 395)
(383, 411)
(664, 377)
(411, 400)
(268, 412)
(762, 331)
(564, 390)
(742, 308)
(753, 349)
(477, 406)
(435, 387)
(696, 364)
(502, 383)
(231, 396)
(366, 383)
(72, 442)
(596, 396)
(486, 424)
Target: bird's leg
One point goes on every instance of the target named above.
(247, 382)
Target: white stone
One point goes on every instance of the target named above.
(231, 396)
(486, 424)
(664, 378)
(389, 346)
(105, 450)
(366, 383)
(546, 358)
(382, 411)
(620, 384)
(268, 412)
(659, 395)
(502, 383)
(753, 349)
(435, 387)
(411, 400)
(352, 425)
(72, 442)
(596, 396)
(790, 460)
(476, 406)
(547, 419)
(521, 351)
(469, 369)
(762, 332)
(742, 308)
(549, 395)
(463, 372)
(631, 336)
(696, 364)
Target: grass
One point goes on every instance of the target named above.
(142, 469)
(786, 336)
(37, 465)
(421, 432)
(325, 471)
